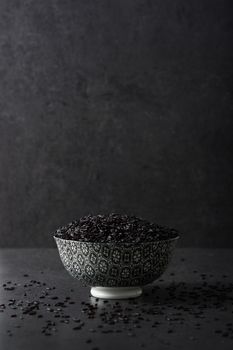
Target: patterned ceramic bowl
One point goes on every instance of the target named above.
(115, 270)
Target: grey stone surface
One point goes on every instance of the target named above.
(14, 263)
(116, 105)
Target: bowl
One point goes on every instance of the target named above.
(115, 270)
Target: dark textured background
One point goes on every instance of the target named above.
(116, 105)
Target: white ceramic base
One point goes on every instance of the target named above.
(116, 292)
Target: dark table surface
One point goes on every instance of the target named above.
(190, 307)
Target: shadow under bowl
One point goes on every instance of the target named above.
(115, 270)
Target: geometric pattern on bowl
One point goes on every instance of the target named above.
(115, 264)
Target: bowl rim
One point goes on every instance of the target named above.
(119, 243)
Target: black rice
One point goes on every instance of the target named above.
(114, 228)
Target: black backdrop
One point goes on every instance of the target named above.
(119, 106)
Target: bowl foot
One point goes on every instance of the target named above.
(116, 292)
